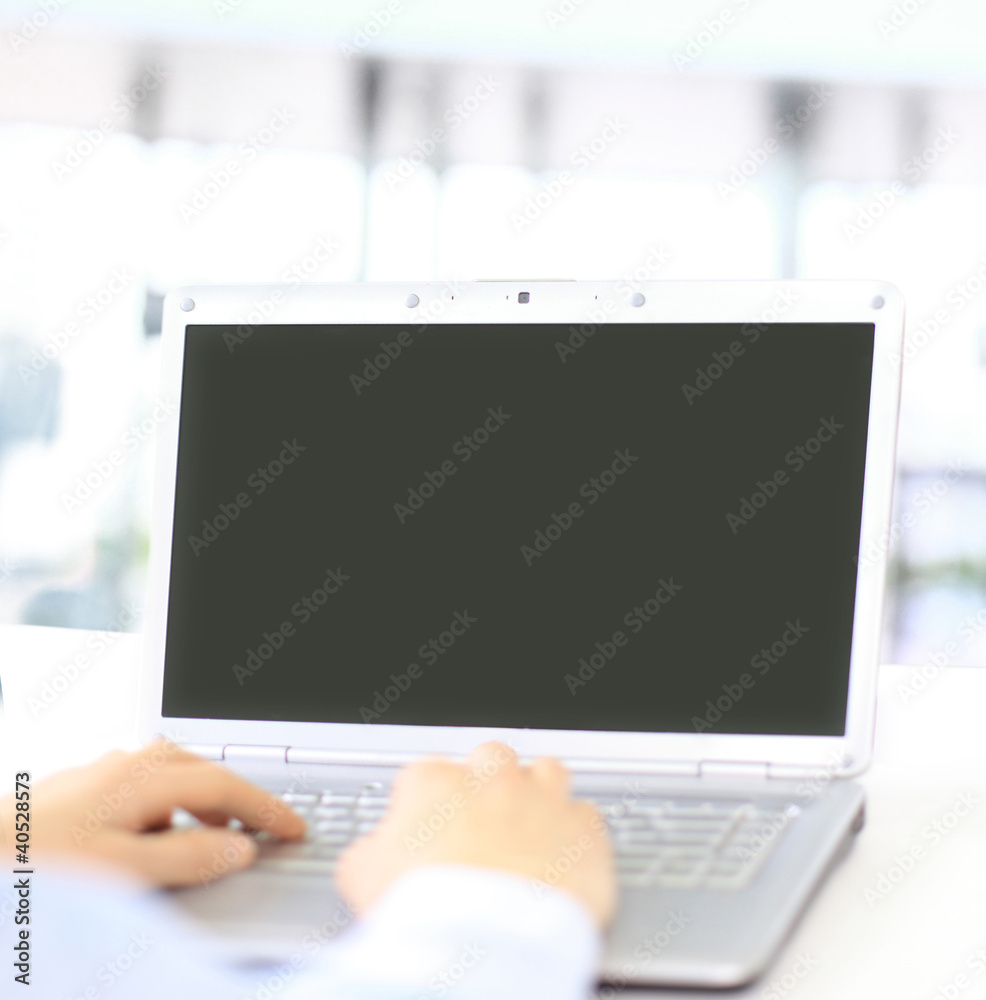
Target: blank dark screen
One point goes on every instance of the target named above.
(651, 528)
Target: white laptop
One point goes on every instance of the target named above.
(616, 524)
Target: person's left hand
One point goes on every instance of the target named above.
(118, 811)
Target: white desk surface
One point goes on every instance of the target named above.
(911, 943)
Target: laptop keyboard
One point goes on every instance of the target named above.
(663, 843)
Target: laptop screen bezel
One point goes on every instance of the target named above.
(576, 303)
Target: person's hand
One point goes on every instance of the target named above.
(492, 813)
(118, 811)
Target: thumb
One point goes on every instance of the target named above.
(173, 858)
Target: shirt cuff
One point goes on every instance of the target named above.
(472, 933)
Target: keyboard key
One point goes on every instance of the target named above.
(337, 799)
(299, 798)
(648, 809)
(372, 802)
(631, 822)
(641, 850)
(710, 825)
(622, 837)
(331, 812)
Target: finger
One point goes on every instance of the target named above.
(179, 857)
(492, 754)
(162, 751)
(360, 877)
(551, 772)
(208, 790)
(590, 815)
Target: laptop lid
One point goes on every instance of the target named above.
(621, 525)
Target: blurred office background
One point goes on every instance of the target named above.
(149, 143)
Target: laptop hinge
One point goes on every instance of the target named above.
(658, 768)
(733, 769)
(310, 755)
(233, 751)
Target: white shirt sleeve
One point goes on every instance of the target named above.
(462, 932)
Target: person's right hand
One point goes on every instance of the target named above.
(493, 813)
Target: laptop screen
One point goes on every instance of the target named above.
(640, 527)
